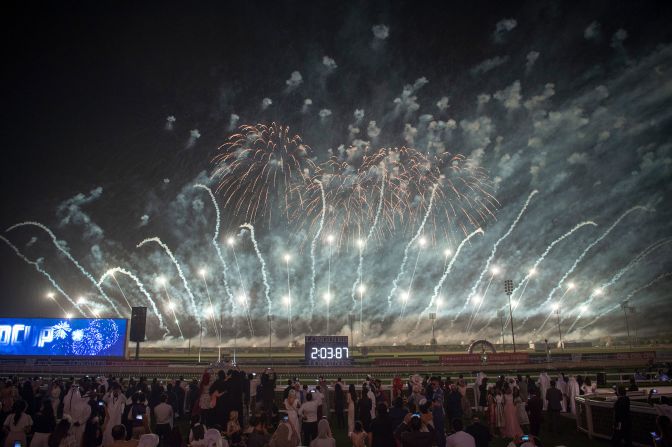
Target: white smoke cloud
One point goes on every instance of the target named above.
(380, 32)
(478, 131)
(489, 64)
(510, 96)
(503, 27)
(233, 121)
(324, 113)
(329, 63)
(70, 213)
(592, 31)
(265, 103)
(536, 101)
(194, 134)
(306, 105)
(442, 103)
(410, 133)
(31, 242)
(295, 79)
(578, 158)
(372, 130)
(482, 99)
(358, 114)
(144, 220)
(618, 38)
(531, 57)
(170, 120)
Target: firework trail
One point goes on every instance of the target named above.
(122, 293)
(402, 268)
(627, 298)
(368, 237)
(242, 286)
(540, 259)
(179, 272)
(215, 237)
(267, 287)
(620, 273)
(140, 285)
(585, 251)
(480, 303)
(492, 254)
(550, 314)
(69, 256)
(47, 275)
(438, 286)
(636, 260)
(313, 247)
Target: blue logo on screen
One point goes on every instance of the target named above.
(62, 337)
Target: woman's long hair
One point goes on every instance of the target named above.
(353, 393)
(59, 434)
(19, 408)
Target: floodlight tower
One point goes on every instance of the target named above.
(508, 288)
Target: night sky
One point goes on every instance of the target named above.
(571, 100)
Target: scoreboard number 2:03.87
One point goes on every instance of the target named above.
(327, 350)
(329, 353)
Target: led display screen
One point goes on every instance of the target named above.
(327, 350)
(78, 337)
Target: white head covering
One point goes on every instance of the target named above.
(212, 438)
(148, 440)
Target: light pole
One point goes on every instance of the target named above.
(627, 308)
(556, 309)
(500, 314)
(508, 288)
(351, 320)
(289, 301)
(270, 332)
(432, 317)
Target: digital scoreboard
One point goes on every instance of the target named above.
(327, 350)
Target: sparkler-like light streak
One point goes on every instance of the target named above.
(585, 252)
(446, 272)
(122, 292)
(211, 308)
(402, 268)
(313, 247)
(231, 243)
(480, 303)
(264, 275)
(37, 267)
(360, 266)
(70, 258)
(533, 270)
(171, 305)
(215, 243)
(140, 285)
(421, 243)
(558, 304)
(492, 254)
(627, 298)
(158, 241)
(289, 300)
(636, 260)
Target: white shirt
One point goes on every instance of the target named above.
(164, 414)
(460, 439)
(318, 397)
(309, 410)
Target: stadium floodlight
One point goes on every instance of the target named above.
(327, 297)
(555, 307)
(360, 243)
(171, 305)
(583, 308)
(361, 288)
(598, 291)
(495, 270)
(68, 315)
(211, 310)
(508, 288)
(161, 280)
(476, 299)
(405, 296)
(202, 272)
(287, 257)
(571, 285)
(330, 238)
(447, 252)
(285, 299)
(230, 241)
(50, 296)
(81, 301)
(422, 241)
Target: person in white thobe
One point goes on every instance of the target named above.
(477, 392)
(562, 386)
(115, 402)
(544, 384)
(572, 392)
(79, 410)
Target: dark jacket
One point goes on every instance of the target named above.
(554, 398)
(481, 434)
(411, 438)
